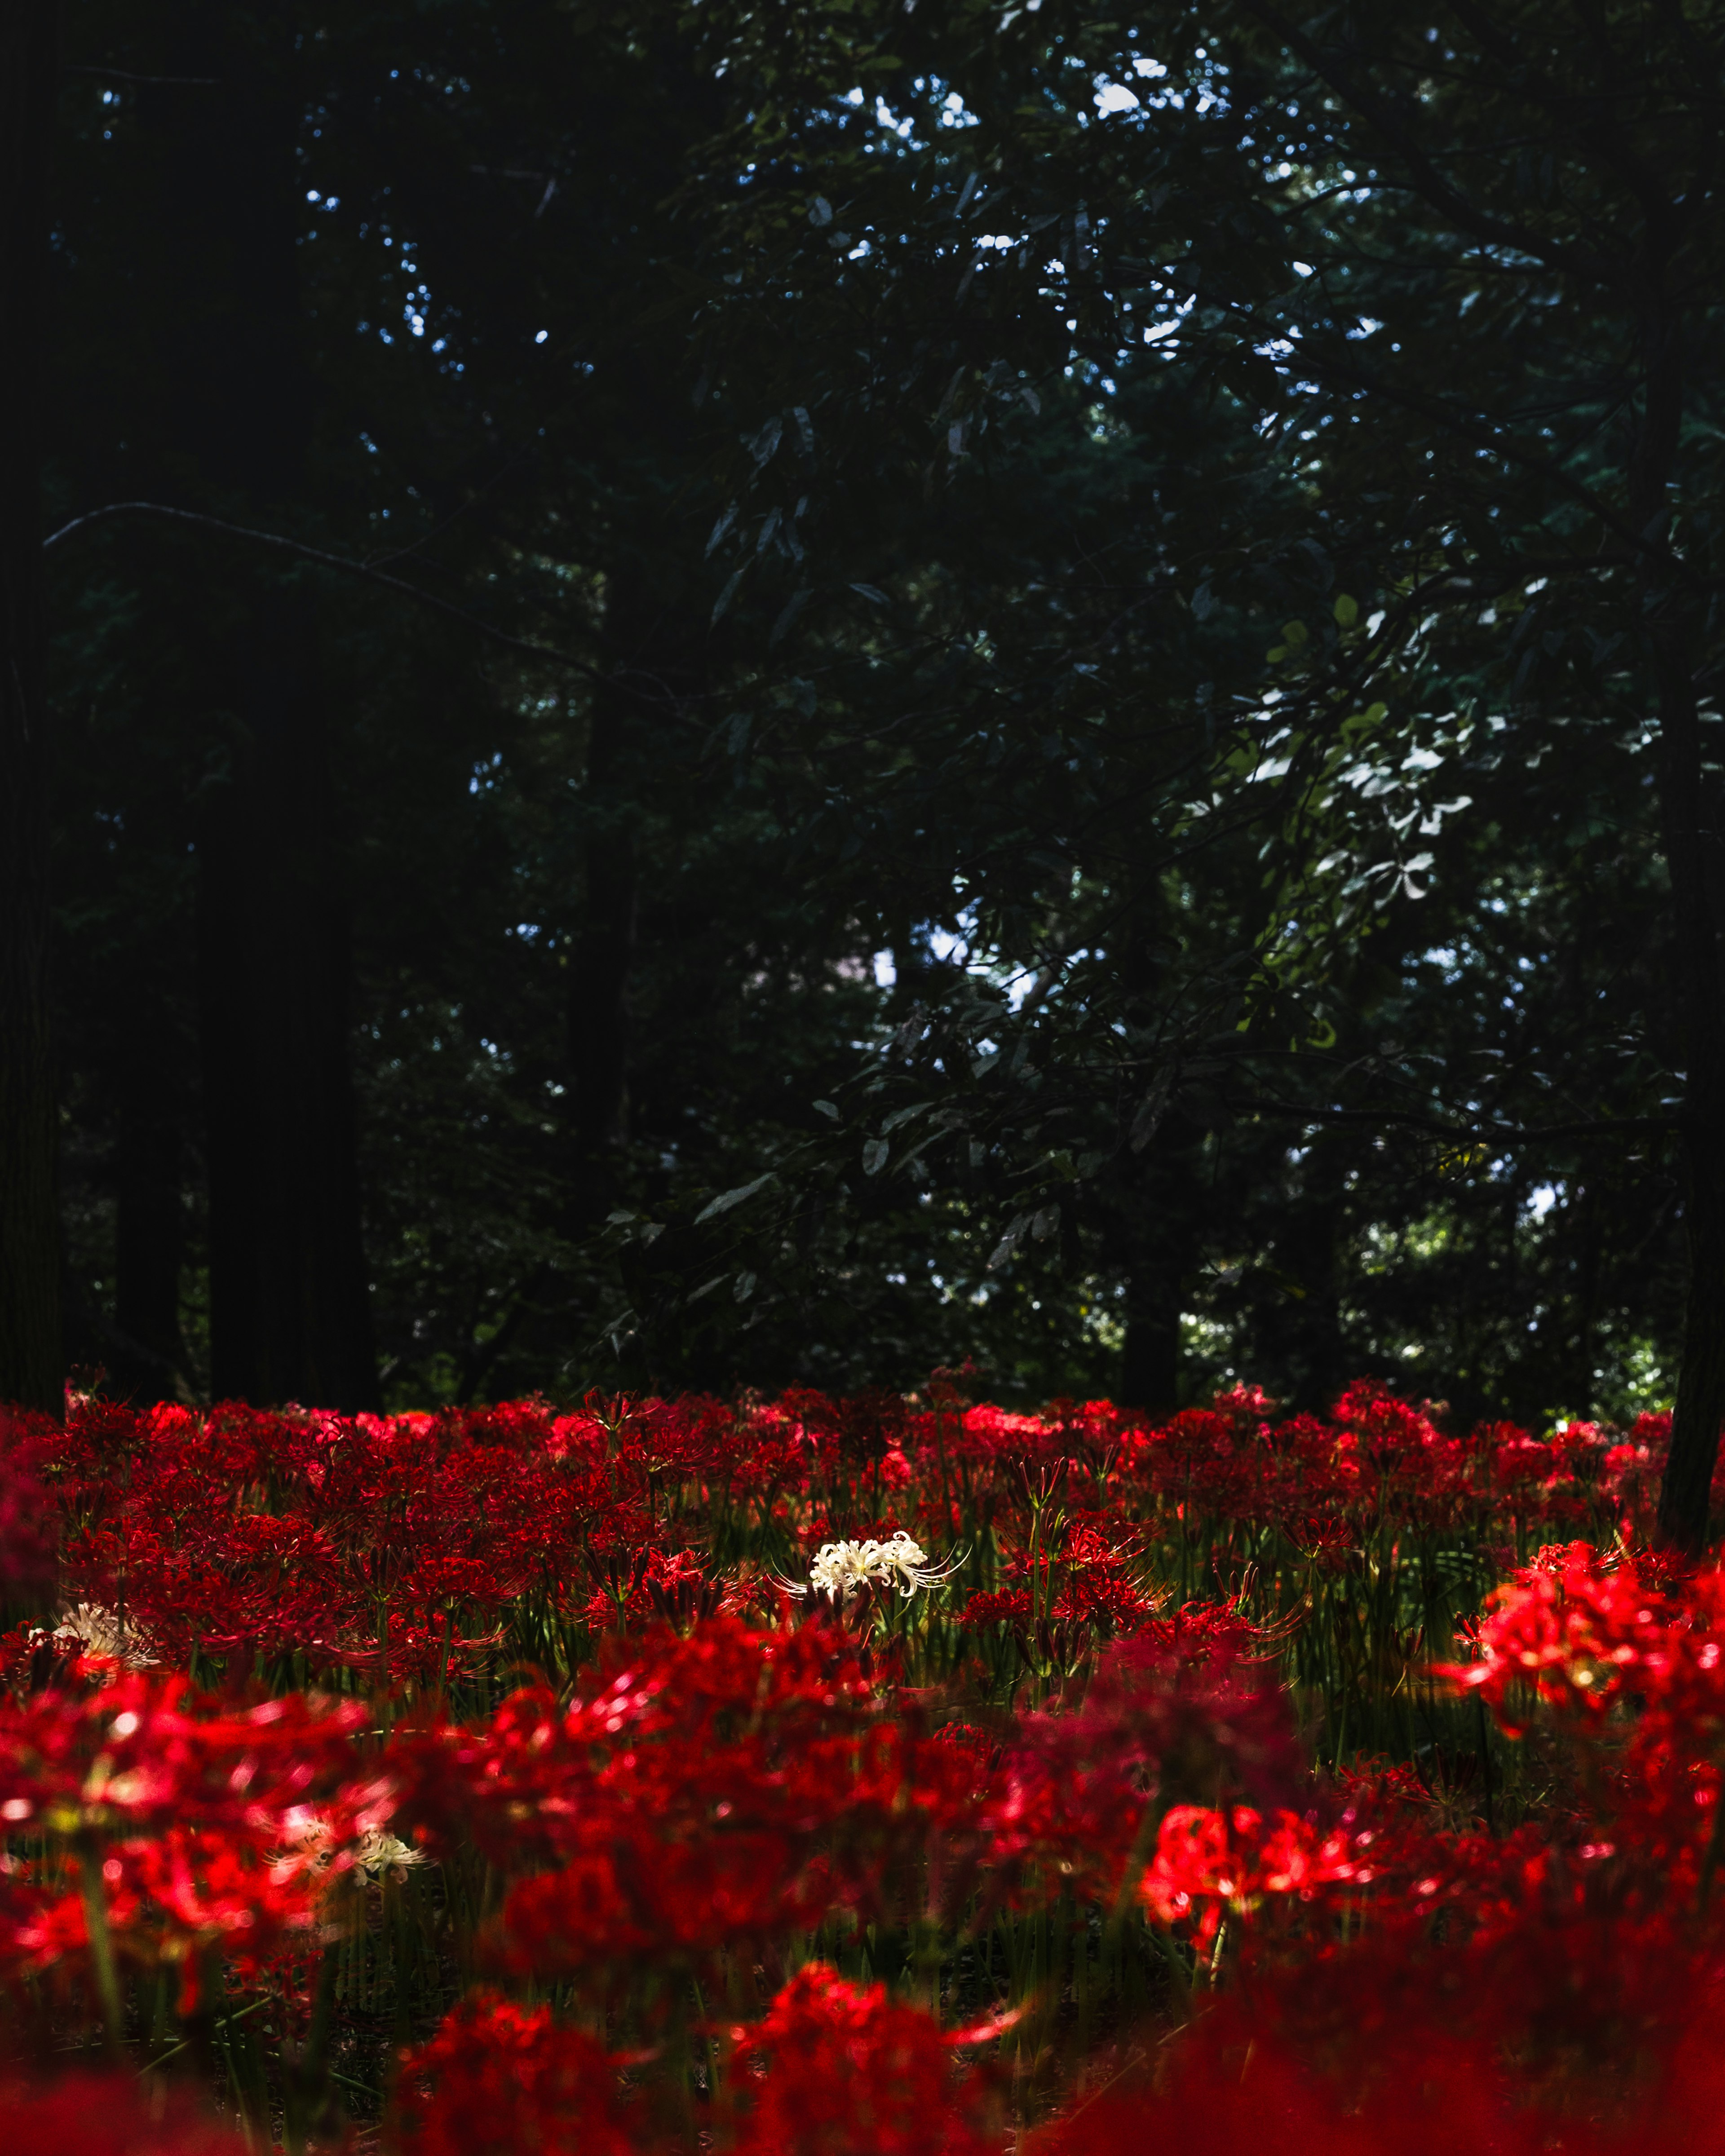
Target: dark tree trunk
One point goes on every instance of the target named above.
(647, 647)
(1691, 838)
(289, 1312)
(1690, 807)
(1589, 1232)
(601, 966)
(1163, 1204)
(1317, 1364)
(1150, 1364)
(30, 1367)
(148, 1354)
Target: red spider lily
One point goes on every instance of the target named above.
(512, 2080)
(1011, 1604)
(1576, 1630)
(195, 1826)
(27, 1537)
(706, 1793)
(1209, 1861)
(834, 2070)
(1175, 1712)
(401, 1544)
(144, 1753)
(1236, 2091)
(109, 2115)
(735, 1785)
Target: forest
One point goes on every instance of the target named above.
(1048, 655)
(883, 775)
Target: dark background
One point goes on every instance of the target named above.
(1188, 804)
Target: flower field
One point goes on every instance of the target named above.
(885, 1774)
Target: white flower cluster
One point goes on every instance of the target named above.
(100, 1631)
(900, 1563)
(378, 1854)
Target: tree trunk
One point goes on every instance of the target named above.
(290, 1314)
(1162, 1203)
(1689, 807)
(1691, 834)
(600, 969)
(30, 1365)
(646, 643)
(290, 1311)
(148, 1354)
(1150, 1363)
(1317, 1361)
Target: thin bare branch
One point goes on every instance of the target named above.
(328, 561)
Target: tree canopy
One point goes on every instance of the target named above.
(747, 695)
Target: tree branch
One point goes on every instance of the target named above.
(1460, 1134)
(151, 81)
(1430, 183)
(299, 548)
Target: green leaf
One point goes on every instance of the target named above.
(726, 1198)
(1009, 1242)
(729, 593)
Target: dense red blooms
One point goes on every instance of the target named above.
(86, 2114)
(206, 1828)
(27, 1525)
(833, 2070)
(735, 1786)
(1180, 1710)
(416, 1544)
(510, 2080)
(506, 1756)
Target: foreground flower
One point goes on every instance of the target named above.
(513, 2081)
(836, 2070)
(86, 2114)
(841, 1569)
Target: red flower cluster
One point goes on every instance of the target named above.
(430, 1546)
(721, 1791)
(830, 2069)
(525, 1769)
(197, 1830)
(27, 1538)
(501, 2075)
(86, 2114)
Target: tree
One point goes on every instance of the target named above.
(29, 1285)
(1455, 274)
(981, 802)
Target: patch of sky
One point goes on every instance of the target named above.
(1112, 97)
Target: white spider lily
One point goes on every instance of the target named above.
(900, 1563)
(380, 1853)
(101, 1631)
(377, 1854)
